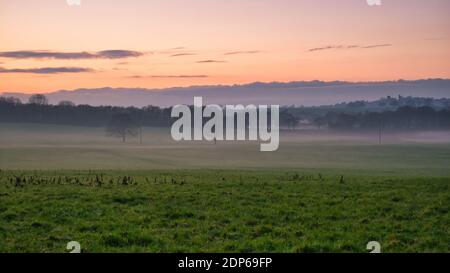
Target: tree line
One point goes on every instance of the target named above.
(38, 110)
(403, 118)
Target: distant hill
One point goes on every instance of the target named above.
(311, 93)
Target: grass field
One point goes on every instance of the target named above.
(318, 193)
(222, 211)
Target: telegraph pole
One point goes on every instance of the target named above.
(380, 132)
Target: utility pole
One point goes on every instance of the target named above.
(140, 127)
(380, 132)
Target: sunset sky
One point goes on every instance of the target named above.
(47, 45)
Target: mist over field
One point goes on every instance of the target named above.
(54, 147)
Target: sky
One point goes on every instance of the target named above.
(48, 45)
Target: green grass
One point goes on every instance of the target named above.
(228, 197)
(222, 211)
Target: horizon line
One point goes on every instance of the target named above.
(232, 85)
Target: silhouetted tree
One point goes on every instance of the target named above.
(11, 100)
(38, 99)
(288, 119)
(122, 125)
(320, 122)
(66, 103)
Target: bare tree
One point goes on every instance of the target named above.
(11, 100)
(38, 99)
(66, 103)
(122, 125)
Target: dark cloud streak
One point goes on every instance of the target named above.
(182, 54)
(36, 54)
(375, 46)
(242, 52)
(347, 47)
(169, 76)
(118, 54)
(47, 70)
(210, 61)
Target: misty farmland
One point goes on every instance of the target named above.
(324, 190)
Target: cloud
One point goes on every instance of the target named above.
(210, 61)
(47, 70)
(178, 48)
(118, 54)
(173, 50)
(169, 76)
(375, 46)
(323, 48)
(435, 38)
(43, 54)
(182, 54)
(347, 47)
(242, 52)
